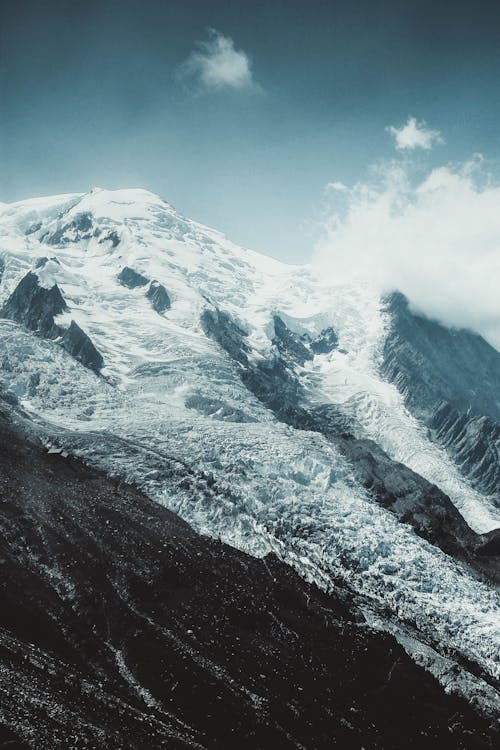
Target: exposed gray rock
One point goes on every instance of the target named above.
(326, 342)
(112, 237)
(219, 326)
(131, 279)
(473, 442)
(75, 231)
(158, 296)
(450, 380)
(33, 228)
(289, 344)
(79, 345)
(36, 307)
(432, 364)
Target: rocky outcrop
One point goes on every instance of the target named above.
(80, 228)
(122, 628)
(112, 237)
(131, 279)
(289, 344)
(219, 326)
(473, 442)
(36, 307)
(158, 296)
(79, 345)
(450, 380)
(326, 342)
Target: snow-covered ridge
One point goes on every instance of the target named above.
(171, 397)
(90, 238)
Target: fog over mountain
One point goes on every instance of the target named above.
(432, 233)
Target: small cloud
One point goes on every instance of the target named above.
(415, 134)
(216, 65)
(339, 187)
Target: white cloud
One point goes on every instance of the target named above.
(415, 134)
(216, 65)
(338, 186)
(436, 239)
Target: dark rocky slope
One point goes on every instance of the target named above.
(158, 297)
(409, 496)
(122, 628)
(450, 380)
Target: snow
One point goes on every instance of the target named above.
(277, 488)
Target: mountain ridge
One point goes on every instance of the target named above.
(266, 406)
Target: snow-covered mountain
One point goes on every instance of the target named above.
(270, 407)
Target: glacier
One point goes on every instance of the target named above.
(170, 413)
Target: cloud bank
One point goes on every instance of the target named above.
(216, 65)
(414, 134)
(435, 237)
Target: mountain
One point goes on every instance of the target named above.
(121, 627)
(298, 419)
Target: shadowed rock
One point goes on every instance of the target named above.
(450, 380)
(36, 307)
(158, 296)
(75, 231)
(79, 345)
(112, 237)
(289, 344)
(131, 279)
(326, 342)
(219, 326)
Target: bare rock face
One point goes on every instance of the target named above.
(131, 279)
(158, 296)
(79, 345)
(80, 228)
(326, 342)
(450, 380)
(220, 326)
(289, 344)
(36, 307)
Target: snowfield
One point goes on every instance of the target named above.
(170, 398)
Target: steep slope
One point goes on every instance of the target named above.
(120, 627)
(450, 380)
(249, 400)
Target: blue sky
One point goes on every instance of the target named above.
(241, 127)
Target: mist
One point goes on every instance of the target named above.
(433, 234)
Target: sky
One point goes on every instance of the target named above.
(238, 113)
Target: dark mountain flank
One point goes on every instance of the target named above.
(450, 380)
(122, 628)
